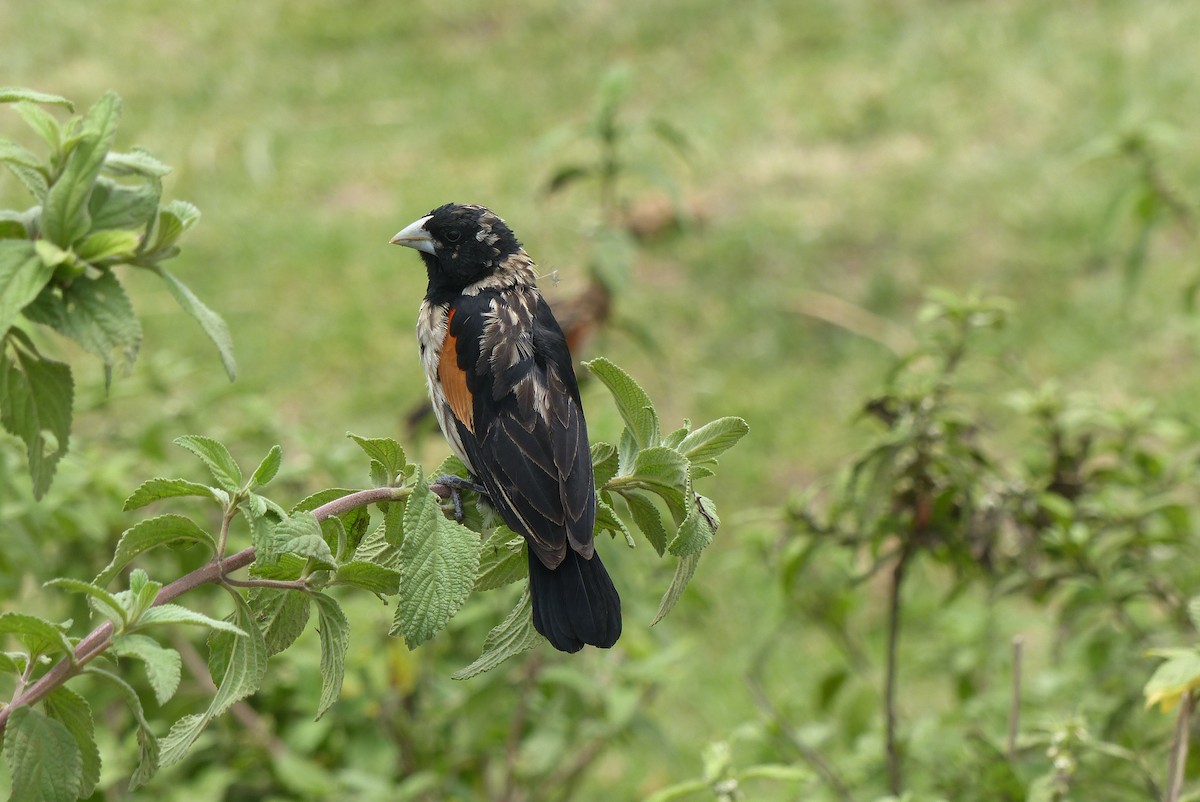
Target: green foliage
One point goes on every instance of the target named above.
(95, 210)
(417, 553)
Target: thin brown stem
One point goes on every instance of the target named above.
(889, 691)
(1179, 748)
(98, 641)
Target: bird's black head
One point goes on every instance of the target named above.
(460, 245)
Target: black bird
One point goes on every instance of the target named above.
(503, 388)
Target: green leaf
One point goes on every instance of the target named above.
(94, 312)
(632, 401)
(114, 205)
(17, 94)
(1179, 675)
(605, 463)
(647, 519)
(217, 457)
(173, 220)
(26, 167)
(713, 439)
(39, 635)
(73, 712)
(502, 560)
(438, 562)
(43, 123)
(163, 665)
(244, 661)
(148, 744)
(387, 458)
(300, 534)
(697, 529)
(22, 277)
(177, 614)
(152, 532)
(684, 572)
(282, 615)
(369, 576)
(102, 600)
(678, 791)
(1193, 611)
(43, 758)
(335, 639)
(267, 469)
(515, 634)
(157, 489)
(137, 162)
(65, 215)
(662, 471)
(35, 405)
(212, 323)
(141, 595)
(608, 521)
(108, 244)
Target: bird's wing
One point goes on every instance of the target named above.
(523, 425)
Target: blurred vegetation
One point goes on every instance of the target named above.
(843, 158)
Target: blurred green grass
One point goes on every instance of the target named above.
(859, 150)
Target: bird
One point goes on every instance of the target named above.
(503, 388)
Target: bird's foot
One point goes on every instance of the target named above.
(456, 484)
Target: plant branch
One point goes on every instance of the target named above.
(889, 688)
(1179, 748)
(100, 639)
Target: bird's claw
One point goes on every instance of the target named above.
(456, 484)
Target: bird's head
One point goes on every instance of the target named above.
(460, 245)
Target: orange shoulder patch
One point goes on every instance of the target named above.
(454, 380)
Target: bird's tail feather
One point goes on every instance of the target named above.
(574, 604)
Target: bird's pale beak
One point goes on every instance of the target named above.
(414, 235)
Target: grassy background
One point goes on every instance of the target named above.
(861, 150)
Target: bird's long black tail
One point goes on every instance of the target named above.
(575, 603)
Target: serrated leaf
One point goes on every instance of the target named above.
(65, 215)
(684, 572)
(102, 601)
(648, 519)
(608, 521)
(605, 463)
(43, 758)
(107, 244)
(141, 595)
(39, 635)
(177, 614)
(673, 439)
(662, 471)
(282, 615)
(368, 576)
(173, 220)
(244, 666)
(212, 323)
(163, 665)
(26, 167)
(376, 549)
(157, 489)
(438, 562)
(117, 206)
(94, 312)
(632, 401)
(335, 639)
(22, 277)
(387, 453)
(73, 712)
(217, 457)
(300, 534)
(514, 635)
(35, 405)
(137, 162)
(502, 560)
(267, 469)
(18, 94)
(152, 532)
(148, 744)
(698, 528)
(713, 439)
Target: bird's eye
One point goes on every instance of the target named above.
(453, 236)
